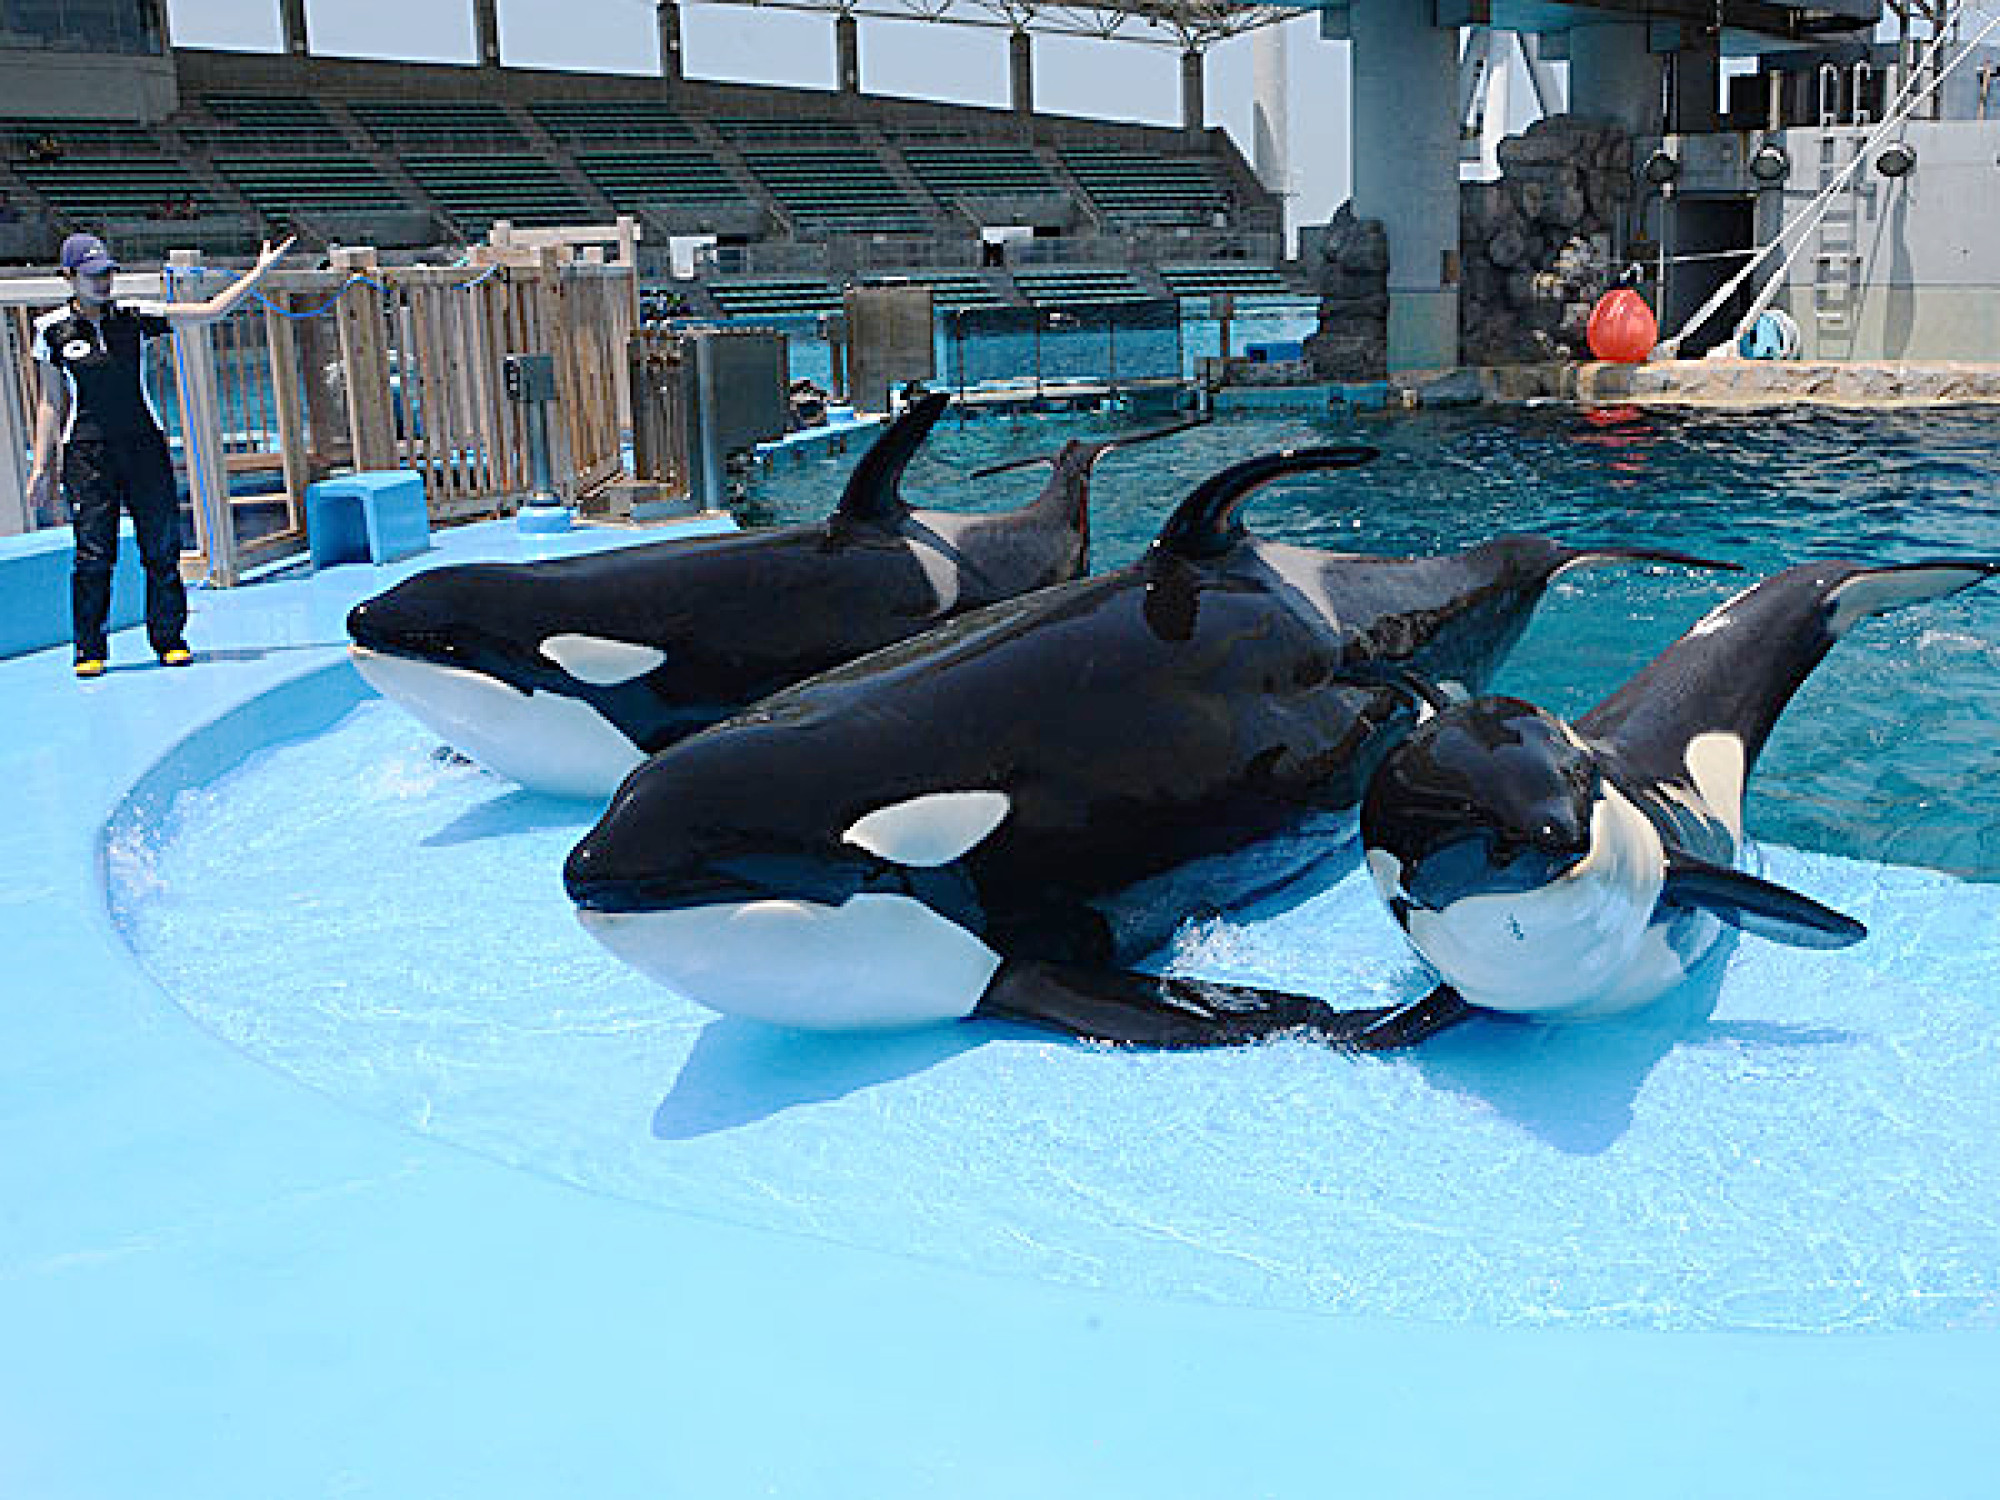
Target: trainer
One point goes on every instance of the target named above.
(96, 430)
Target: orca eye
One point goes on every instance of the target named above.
(930, 830)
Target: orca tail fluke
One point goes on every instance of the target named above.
(1154, 1010)
(1878, 590)
(1091, 452)
(1734, 670)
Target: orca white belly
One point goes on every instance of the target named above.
(544, 741)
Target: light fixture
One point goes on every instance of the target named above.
(1769, 164)
(1896, 160)
(1661, 169)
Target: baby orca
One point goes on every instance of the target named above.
(1566, 871)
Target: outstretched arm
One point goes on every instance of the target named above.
(226, 301)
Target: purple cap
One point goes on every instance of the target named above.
(86, 255)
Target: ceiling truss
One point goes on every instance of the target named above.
(1183, 25)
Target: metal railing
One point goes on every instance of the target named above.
(1116, 344)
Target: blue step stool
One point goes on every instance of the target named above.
(377, 517)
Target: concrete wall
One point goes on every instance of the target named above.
(36, 84)
(1930, 246)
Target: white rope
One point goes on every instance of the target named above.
(1769, 294)
(1906, 100)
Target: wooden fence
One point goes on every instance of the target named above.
(363, 366)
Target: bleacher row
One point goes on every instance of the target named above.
(479, 160)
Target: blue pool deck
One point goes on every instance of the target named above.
(217, 1283)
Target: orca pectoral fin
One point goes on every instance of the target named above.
(1153, 1010)
(1757, 906)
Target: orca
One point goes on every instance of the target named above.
(564, 674)
(1571, 871)
(997, 818)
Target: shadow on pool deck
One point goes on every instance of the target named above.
(515, 812)
(742, 1071)
(1575, 1087)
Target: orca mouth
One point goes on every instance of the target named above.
(820, 882)
(1485, 865)
(373, 628)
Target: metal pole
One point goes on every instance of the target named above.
(14, 442)
(708, 431)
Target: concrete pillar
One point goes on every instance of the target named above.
(1021, 72)
(1697, 85)
(1194, 109)
(668, 16)
(1612, 76)
(1404, 139)
(1271, 117)
(847, 53)
(486, 31)
(292, 16)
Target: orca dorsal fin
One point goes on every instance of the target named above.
(873, 496)
(1207, 523)
(1757, 906)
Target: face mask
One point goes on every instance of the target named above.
(95, 287)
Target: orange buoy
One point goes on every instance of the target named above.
(1622, 328)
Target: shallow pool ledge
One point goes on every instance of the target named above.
(216, 1283)
(1750, 384)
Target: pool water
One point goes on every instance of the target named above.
(1795, 1141)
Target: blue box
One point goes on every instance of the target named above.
(34, 588)
(377, 517)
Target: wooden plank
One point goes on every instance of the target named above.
(419, 419)
(281, 349)
(363, 350)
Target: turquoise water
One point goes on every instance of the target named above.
(1796, 1141)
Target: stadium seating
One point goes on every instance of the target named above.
(780, 128)
(267, 124)
(833, 191)
(475, 190)
(282, 186)
(775, 297)
(1051, 287)
(635, 180)
(598, 124)
(1240, 277)
(1133, 186)
(955, 289)
(437, 124)
(104, 170)
(955, 172)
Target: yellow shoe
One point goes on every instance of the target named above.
(90, 666)
(179, 656)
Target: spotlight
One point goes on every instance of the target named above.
(1661, 169)
(1769, 164)
(1896, 160)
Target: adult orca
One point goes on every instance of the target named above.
(564, 674)
(1569, 871)
(996, 818)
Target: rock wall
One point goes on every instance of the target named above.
(1352, 340)
(1536, 245)
(1535, 254)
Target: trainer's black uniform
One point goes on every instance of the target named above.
(114, 454)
